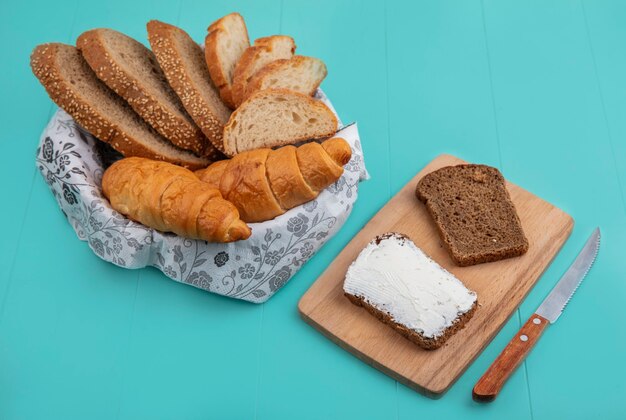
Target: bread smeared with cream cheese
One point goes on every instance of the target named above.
(403, 287)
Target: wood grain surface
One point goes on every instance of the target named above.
(501, 286)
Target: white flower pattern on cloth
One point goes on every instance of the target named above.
(251, 270)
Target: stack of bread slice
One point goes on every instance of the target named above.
(73, 85)
(174, 102)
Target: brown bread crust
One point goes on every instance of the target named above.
(64, 93)
(171, 199)
(232, 149)
(473, 212)
(426, 343)
(264, 183)
(214, 65)
(244, 70)
(162, 40)
(259, 77)
(217, 69)
(175, 125)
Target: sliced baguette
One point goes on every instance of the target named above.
(223, 46)
(132, 71)
(273, 118)
(264, 51)
(183, 64)
(72, 84)
(301, 74)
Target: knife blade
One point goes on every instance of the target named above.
(490, 384)
(552, 306)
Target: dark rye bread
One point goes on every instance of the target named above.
(427, 343)
(132, 71)
(183, 63)
(473, 213)
(73, 86)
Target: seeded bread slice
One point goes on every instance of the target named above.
(183, 63)
(474, 213)
(73, 86)
(132, 71)
(273, 118)
(301, 74)
(223, 46)
(264, 51)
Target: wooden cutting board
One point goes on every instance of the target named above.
(501, 286)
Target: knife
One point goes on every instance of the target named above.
(515, 352)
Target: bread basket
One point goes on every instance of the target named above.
(252, 270)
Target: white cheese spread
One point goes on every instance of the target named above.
(396, 277)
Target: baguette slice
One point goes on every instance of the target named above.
(273, 118)
(301, 74)
(474, 213)
(73, 86)
(400, 285)
(223, 46)
(264, 51)
(131, 70)
(183, 64)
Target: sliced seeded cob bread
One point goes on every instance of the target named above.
(473, 213)
(273, 118)
(132, 71)
(223, 46)
(264, 51)
(73, 86)
(301, 74)
(183, 63)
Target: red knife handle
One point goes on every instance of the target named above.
(512, 356)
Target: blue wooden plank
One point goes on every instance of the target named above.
(440, 100)
(87, 339)
(605, 27)
(192, 354)
(25, 112)
(262, 17)
(303, 372)
(64, 328)
(127, 17)
(86, 304)
(439, 89)
(604, 21)
(555, 142)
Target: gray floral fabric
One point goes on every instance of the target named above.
(251, 270)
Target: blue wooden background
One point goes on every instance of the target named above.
(534, 87)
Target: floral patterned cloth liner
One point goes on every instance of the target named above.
(251, 270)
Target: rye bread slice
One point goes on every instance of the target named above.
(427, 343)
(224, 44)
(277, 117)
(474, 213)
(182, 61)
(383, 311)
(73, 86)
(132, 71)
(253, 59)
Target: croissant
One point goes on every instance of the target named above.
(170, 198)
(264, 183)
